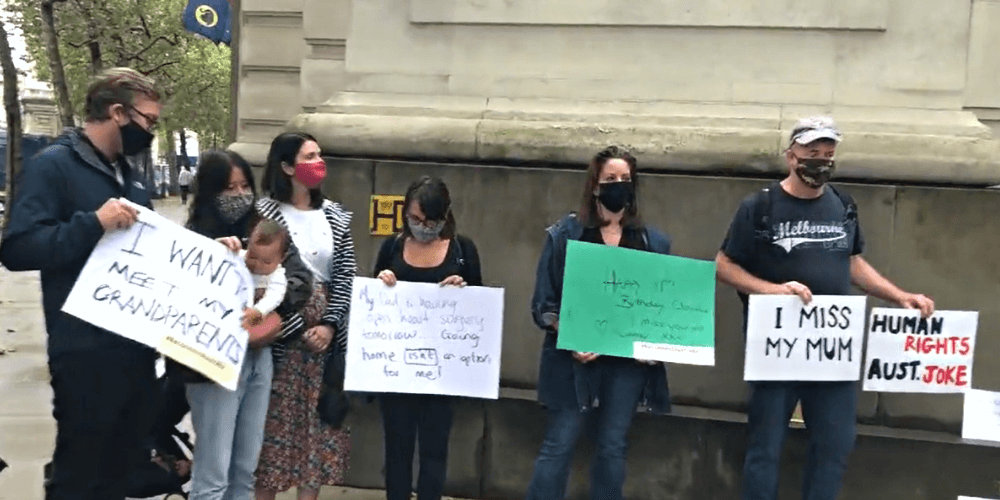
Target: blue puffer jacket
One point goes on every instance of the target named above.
(54, 228)
(562, 381)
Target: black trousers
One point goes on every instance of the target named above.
(104, 406)
(184, 194)
(406, 419)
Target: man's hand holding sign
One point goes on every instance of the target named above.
(154, 282)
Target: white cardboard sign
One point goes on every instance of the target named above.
(791, 341)
(981, 416)
(421, 338)
(907, 353)
(162, 285)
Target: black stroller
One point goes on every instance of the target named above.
(159, 476)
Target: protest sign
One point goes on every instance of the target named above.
(981, 416)
(907, 353)
(422, 338)
(790, 340)
(171, 289)
(960, 497)
(634, 304)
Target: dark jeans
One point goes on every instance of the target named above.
(407, 418)
(830, 413)
(619, 394)
(104, 404)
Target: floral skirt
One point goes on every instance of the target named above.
(300, 450)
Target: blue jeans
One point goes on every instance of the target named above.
(830, 413)
(229, 431)
(620, 390)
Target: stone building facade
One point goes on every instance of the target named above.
(508, 99)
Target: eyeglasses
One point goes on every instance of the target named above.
(152, 121)
(423, 222)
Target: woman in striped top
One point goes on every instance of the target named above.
(299, 450)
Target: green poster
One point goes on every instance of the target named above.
(635, 304)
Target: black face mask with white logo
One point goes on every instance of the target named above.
(616, 196)
(815, 172)
(135, 139)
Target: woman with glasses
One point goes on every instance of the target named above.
(429, 250)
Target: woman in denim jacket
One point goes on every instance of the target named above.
(573, 385)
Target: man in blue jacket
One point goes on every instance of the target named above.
(69, 195)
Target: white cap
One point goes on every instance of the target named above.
(814, 128)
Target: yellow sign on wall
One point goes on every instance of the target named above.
(385, 215)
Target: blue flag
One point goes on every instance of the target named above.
(210, 19)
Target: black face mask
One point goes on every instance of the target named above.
(135, 139)
(815, 172)
(615, 196)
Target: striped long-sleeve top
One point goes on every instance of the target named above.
(342, 270)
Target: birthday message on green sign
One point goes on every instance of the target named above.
(634, 304)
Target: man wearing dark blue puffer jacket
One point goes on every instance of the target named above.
(69, 195)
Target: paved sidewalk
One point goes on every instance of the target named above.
(27, 431)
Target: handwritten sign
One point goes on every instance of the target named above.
(789, 340)
(981, 418)
(171, 289)
(907, 353)
(422, 338)
(634, 304)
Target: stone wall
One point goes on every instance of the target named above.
(508, 100)
(931, 240)
(692, 85)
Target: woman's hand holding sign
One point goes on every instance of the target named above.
(453, 280)
(387, 277)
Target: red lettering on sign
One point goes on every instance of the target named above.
(966, 347)
(962, 377)
(931, 345)
(947, 375)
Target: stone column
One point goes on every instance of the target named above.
(272, 47)
(326, 26)
(982, 90)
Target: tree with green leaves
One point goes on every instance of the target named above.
(146, 35)
(12, 106)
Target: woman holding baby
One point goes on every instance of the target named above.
(229, 425)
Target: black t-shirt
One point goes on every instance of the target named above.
(390, 256)
(809, 241)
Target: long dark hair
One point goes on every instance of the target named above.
(214, 169)
(276, 183)
(431, 195)
(588, 207)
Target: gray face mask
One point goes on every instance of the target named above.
(233, 208)
(422, 233)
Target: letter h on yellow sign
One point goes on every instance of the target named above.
(385, 215)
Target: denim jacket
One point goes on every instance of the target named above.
(562, 381)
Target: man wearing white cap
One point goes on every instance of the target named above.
(801, 237)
